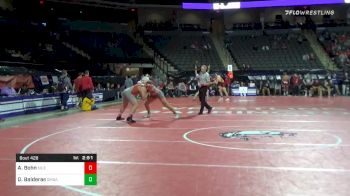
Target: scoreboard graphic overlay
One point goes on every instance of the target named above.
(56, 169)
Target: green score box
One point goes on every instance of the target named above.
(90, 179)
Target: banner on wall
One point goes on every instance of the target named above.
(230, 71)
(229, 67)
(55, 79)
(17, 81)
(44, 80)
(98, 97)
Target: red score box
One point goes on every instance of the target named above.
(90, 168)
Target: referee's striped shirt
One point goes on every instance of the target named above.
(203, 79)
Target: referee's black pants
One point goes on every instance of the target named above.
(86, 93)
(202, 98)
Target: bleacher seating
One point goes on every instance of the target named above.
(32, 43)
(185, 49)
(106, 46)
(285, 50)
(336, 42)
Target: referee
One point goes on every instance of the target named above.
(203, 83)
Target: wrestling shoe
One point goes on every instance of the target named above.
(130, 120)
(119, 118)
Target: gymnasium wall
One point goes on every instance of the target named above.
(233, 16)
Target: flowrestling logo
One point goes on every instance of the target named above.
(309, 12)
(247, 135)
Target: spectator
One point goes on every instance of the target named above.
(327, 86)
(346, 84)
(87, 86)
(108, 86)
(276, 87)
(244, 67)
(77, 83)
(99, 87)
(265, 48)
(156, 81)
(342, 57)
(295, 82)
(212, 91)
(53, 88)
(209, 46)
(227, 82)
(77, 87)
(128, 82)
(266, 88)
(182, 89)
(335, 83)
(192, 86)
(312, 57)
(162, 87)
(64, 88)
(145, 79)
(118, 90)
(205, 47)
(171, 89)
(243, 93)
(285, 84)
(248, 67)
(306, 57)
(308, 84)
(316, 87)
(24, 90)
(8, 91)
